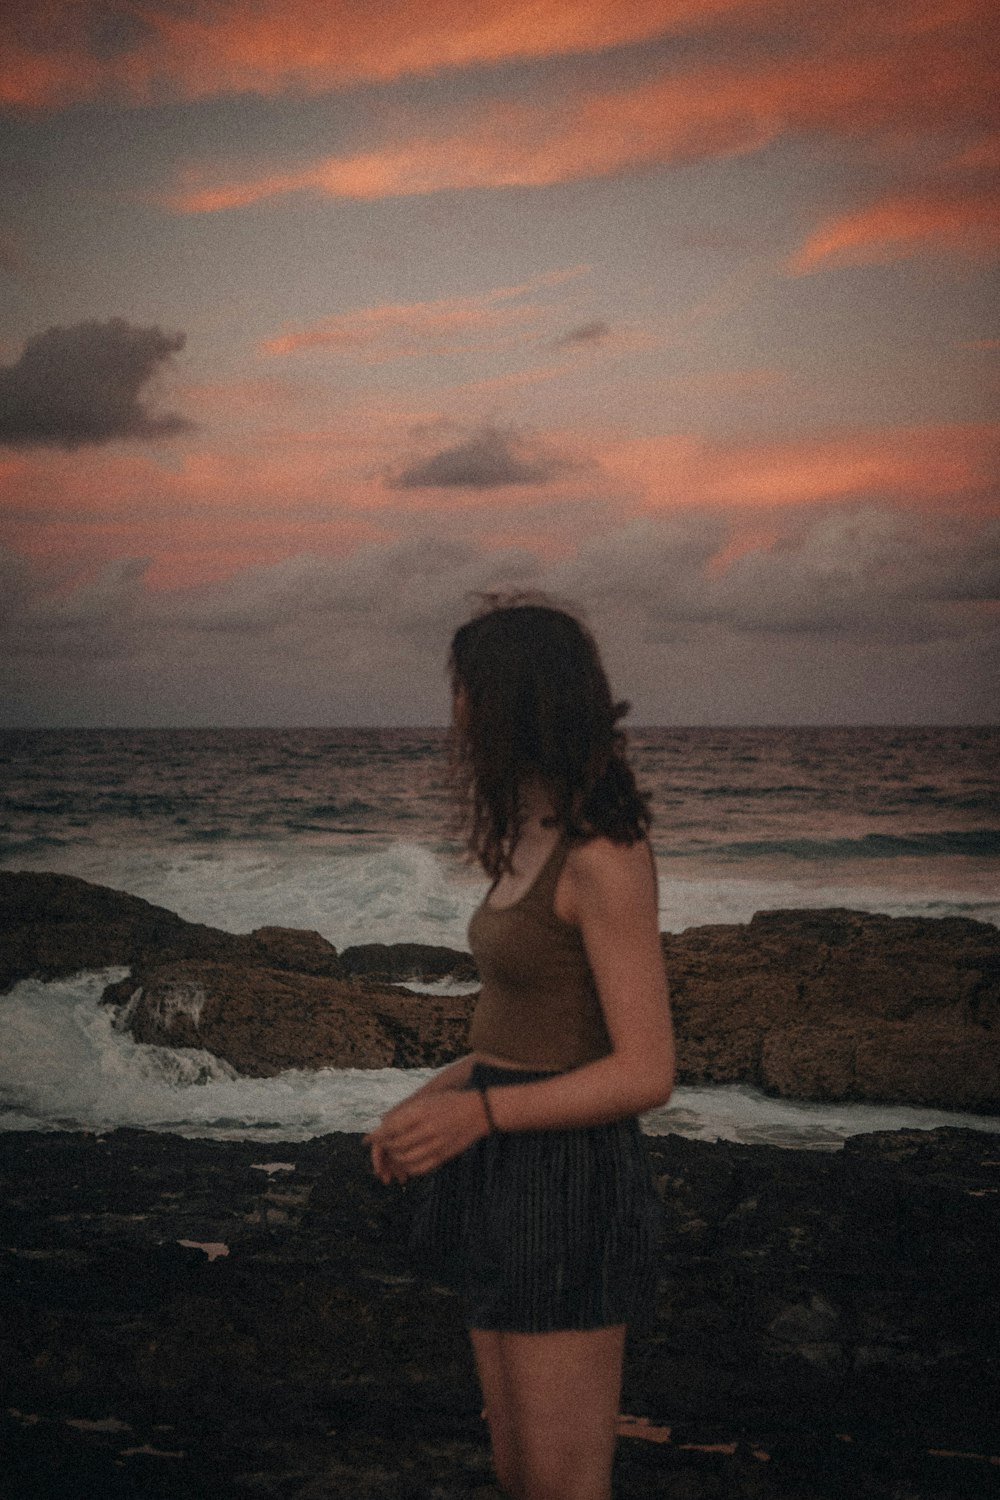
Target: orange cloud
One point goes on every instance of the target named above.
(494, 320)
(61, 51)
(922, 465)
(901, 89)
(202, 552)
(904, 225)
(45, 56)
(981, 156)
(212, 513)
(265, 498)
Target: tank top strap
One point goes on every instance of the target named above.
(542, 892)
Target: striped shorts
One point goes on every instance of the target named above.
(541, 1230)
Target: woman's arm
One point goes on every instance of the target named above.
(385, 1164)
(609, 891)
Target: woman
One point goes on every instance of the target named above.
(538, 1207)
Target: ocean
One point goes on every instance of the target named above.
(348, 832)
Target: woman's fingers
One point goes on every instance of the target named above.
(385, 1165)
(419, 1135)
(396, 1145)
(380, 1164)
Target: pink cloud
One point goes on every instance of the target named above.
(327, 492)
(503, 317)
(228, 46)
(895, 82)
(922, 465)
(903, 225)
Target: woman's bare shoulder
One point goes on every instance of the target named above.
(601, 869)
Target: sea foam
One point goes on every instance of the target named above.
(67, 1065)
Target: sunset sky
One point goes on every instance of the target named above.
(316, 317)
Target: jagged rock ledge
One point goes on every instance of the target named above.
(823, 1005)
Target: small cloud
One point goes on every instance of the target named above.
(903, 225)
(84, 384)
(587, 333)
(500, 318)
(489, 459)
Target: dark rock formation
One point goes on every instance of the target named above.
(183, 1318)
(293, 949)
(264, 1020)
(842, 1005)
(392, 963)
(829, 1004)
(55, 925)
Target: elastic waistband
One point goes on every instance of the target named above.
(492, 1075)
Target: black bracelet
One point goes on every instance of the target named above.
(489, 1113)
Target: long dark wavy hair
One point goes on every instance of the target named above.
(537, 704)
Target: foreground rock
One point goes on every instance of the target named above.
(183, 1318)
(824, 1005)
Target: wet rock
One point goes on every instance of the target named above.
(825, 1005)
(839, 1005)
(805, 1323)
(56, 925)
(263, 1021)
(292, 948)
(399, 962)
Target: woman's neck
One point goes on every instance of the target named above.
(535, 805)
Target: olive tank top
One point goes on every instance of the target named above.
(539, 1004)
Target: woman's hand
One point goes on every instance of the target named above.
(385, 1167)
(425, 1131)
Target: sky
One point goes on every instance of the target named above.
(319, 318)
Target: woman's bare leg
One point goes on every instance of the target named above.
(493, 1381)
(552, 1403)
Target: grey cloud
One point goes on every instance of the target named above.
(14, 262)
(587, 333)
(413, 587)
(860, 572)
(105, 616)
(16, 585)
(316, 639)
(653, 569)
(85, 384)
(115, 33)
(490, 458)
(866, 571)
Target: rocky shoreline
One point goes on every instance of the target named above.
(192, 1318)
(187, 1318)
(822, 1005)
